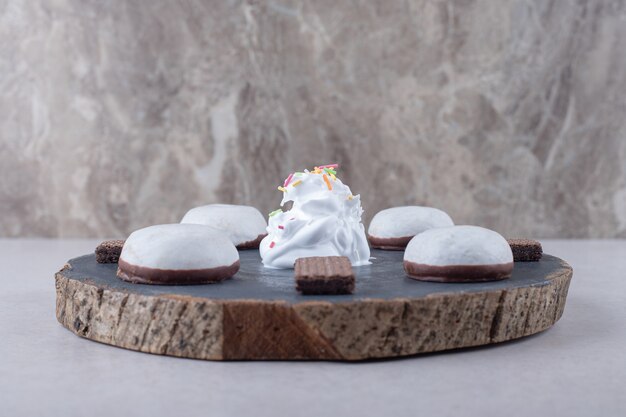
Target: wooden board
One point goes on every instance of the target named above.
(258, 314)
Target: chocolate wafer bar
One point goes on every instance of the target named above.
(525, 250)
(108, 252)
(324, 275)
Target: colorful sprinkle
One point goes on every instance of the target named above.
(283, 189)
(275, 212)
(281, 227)
(330, 187)
(350, 197)
(296, 183)
(286, 183)
(272, 244)
(330, 166)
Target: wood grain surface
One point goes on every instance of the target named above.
(258, 315)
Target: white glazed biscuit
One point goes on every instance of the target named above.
(393, 228)
(458, 254)
(244, 225)
(177, 254)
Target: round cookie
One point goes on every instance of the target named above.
(458, 254)
(174, 254)
(244, 225)
(393, 228)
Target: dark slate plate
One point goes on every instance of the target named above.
(383, 279)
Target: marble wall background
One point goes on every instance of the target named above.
(119, 114)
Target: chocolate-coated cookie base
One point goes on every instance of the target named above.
(389, 243)
(458, 273)
(252, 244)
(143, 275)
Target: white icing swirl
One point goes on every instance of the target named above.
(321, 222)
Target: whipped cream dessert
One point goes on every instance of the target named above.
(244, 225)
(458, 254)
(393, 228)
(324, 220)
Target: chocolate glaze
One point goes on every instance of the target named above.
(389, 243)
(458, 273)
(252, 244)
(144, 275)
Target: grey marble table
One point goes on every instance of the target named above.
(577, 368)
